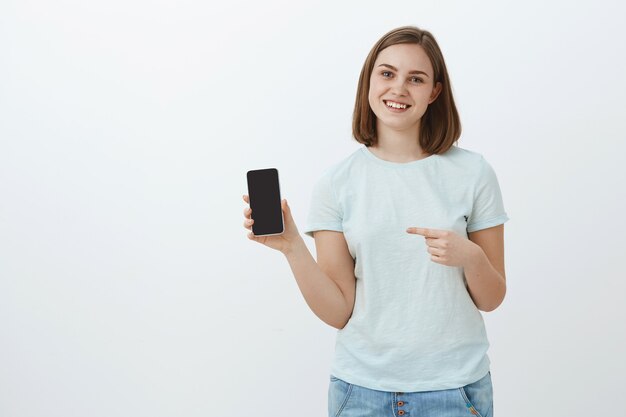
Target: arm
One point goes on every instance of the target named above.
(485, 276)
(328, 285)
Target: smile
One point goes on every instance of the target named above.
(395, 105)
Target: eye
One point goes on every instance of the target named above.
(385, 72)
(417, 79)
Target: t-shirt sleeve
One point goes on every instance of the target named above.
(488, 207)
(324, 212)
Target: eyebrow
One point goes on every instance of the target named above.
(410, 72)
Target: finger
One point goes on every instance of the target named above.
(437, 259)
(246, 198)
(434, 251)
(248, 223)
(433, 243)
(247, 212)
(425, 232)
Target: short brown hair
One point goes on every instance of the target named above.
(440, 125)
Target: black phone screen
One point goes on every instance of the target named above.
(264, 193)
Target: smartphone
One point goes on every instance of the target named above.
(264, 193)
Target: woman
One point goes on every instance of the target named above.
(408, 231)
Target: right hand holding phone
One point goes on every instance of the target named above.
(284, 242)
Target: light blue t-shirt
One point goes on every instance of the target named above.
(414, 326)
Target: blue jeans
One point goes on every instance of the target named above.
(349, 400)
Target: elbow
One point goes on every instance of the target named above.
(339, 320)
(492, 307)
(338, 325)
(489, 309)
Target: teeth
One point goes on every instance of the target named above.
(396, 105)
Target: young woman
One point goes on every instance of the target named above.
(409, 237)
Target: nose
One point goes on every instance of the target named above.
(399, 87)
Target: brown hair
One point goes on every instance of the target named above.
(440, 125)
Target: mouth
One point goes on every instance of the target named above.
(395, 106)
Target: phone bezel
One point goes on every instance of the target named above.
(282, 216)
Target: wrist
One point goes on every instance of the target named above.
(296, 247)
(476, 259)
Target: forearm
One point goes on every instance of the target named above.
(321, 293)
(486, 286)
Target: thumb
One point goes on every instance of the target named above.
(287, 209)
(290, 223)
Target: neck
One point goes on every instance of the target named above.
(398, 146)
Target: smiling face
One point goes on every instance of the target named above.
(401, 86)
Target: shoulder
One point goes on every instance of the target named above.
(463, 160)
(463, 155)
(341, 170)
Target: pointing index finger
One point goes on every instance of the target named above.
(424, 231)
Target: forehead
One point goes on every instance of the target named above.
(406, 57)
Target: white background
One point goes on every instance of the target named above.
(128, 286)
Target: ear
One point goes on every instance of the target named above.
(436, 90)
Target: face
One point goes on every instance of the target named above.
(403, 75)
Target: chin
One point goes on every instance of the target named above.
(398, 123)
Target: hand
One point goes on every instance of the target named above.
(283, 242)
(447, 247)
